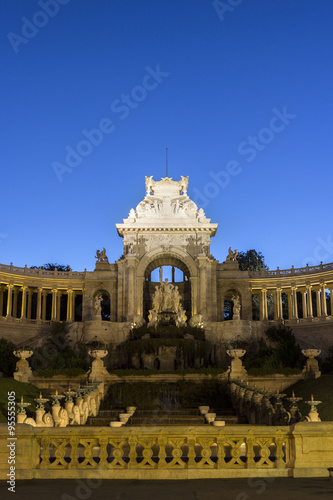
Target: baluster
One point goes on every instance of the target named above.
(162, 453)
(74, 442)
(132, 464)
(250, 463)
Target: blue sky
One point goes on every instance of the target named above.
(241, 96)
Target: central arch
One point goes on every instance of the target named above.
(177, 259)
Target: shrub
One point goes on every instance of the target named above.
(7, 358)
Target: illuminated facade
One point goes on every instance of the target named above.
(167, 229)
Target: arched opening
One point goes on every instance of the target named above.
(176, 272)
(230, 309)
(105, 304)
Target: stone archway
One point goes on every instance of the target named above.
(166, 257)
(184, 284)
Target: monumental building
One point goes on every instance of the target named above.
(167, 229)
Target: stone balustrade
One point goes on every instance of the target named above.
(175, 452)
(151, 452)
(263, 407)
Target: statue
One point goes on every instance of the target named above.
(149, 184)
(98, 306)
(157, 299)
(232, 255)
(237, 307)
(101, 256)
(184, 184)
(166, 299)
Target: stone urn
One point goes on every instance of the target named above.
(311, 368)
(23, 371)
(237, 370)
(98, 371)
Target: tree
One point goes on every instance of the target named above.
(251, 260)
(52, 267)
(286, 351)
(7, 358)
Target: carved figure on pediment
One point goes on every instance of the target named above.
(101, 256)
(184, 184)
(149, 184)
(131, 215)
(232, 255)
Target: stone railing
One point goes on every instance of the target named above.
(27, 271)
(293, 271)
(151, 452)
(174, 452)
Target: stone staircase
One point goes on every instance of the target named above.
(183, 416)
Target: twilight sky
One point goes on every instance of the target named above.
(241, 93)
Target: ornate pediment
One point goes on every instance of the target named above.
(166, 199)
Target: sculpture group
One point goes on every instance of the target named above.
(166, 301)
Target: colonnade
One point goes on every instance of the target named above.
(19, 302)
(293, 309)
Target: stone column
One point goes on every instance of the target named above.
(69, 315)
(44, 305)
(140, 281)
(131, 287)
(309, 301)
(331, 300)
(39, 304)
(1, 300)
(9, 301)
(15, 302)
(214, 293)
(323, 300)
(24, 302)
(29, 303)
(59, 294)
(278, 304)
(173, 274)
(263, 304)
(54, 305)
(202, 288)
(318, 302)
(290, 304)
(194, 295)
(294, 300)
(120, 294)
(304, 306)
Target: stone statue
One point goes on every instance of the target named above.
(101, 256)
(168, 289)
(98, 306)
(181, 318)
(237, 307)
(149, 184)
(232, 255)
(166, 299)
(158, 299)
(175, 299)
(184, 184)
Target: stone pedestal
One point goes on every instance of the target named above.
(98, 371)
(237, 370)
(23, 371)
(311, 368)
